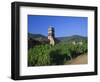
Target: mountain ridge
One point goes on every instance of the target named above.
(37, 39)
(65, 38)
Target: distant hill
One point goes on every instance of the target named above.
(37, 39)
(36, 36)
(76, 38)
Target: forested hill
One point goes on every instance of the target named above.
(65, 38)
(76, 38)
(36, 36)
(36, 39)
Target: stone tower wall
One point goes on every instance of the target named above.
(51, 35)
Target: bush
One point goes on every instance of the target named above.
(39, 55)
(46, 54)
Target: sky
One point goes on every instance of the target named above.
(63, 25)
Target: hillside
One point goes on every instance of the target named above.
(66, 38)
(76, 38)
(41, 53)
(37, 39)
(37, 36)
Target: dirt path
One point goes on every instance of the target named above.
(82, 59)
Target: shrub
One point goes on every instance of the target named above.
(45, 54)
(38, 55)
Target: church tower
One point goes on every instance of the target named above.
(51, 35)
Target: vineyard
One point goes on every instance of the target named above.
(46, 54)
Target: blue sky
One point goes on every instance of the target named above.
(63, 25)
